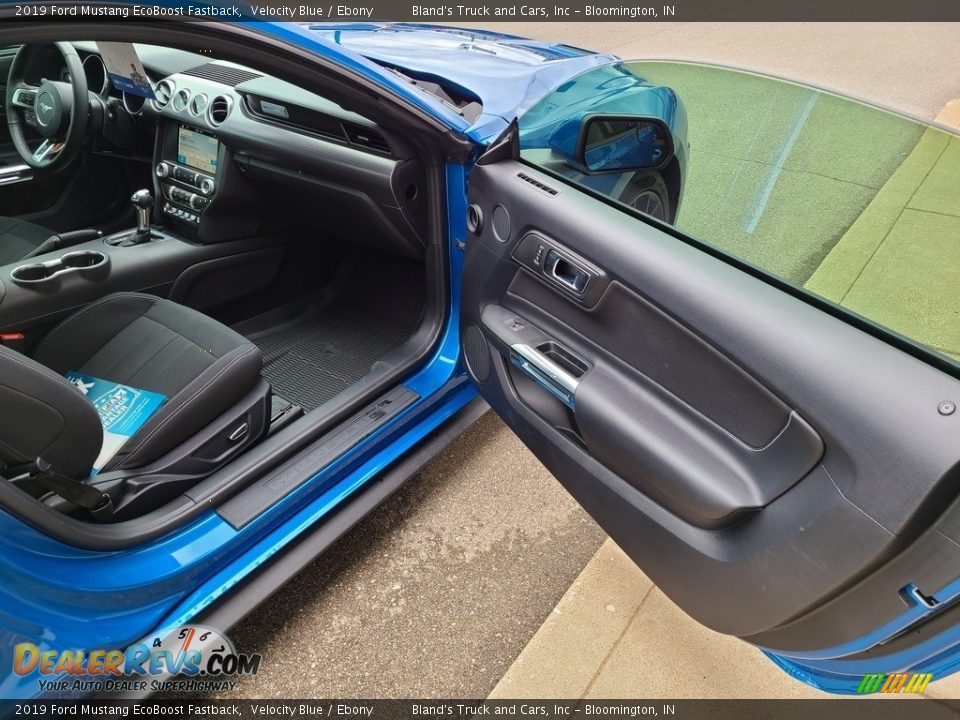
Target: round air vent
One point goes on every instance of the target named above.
(474, 219)
(198, 105)
(96, 74)
(133, 104)
(162, 93)
(181, 100)
(219, 109)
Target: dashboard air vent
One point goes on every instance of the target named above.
(162, 93)
(537, 184)
(219, 110)
(223, 74)
(366, 137)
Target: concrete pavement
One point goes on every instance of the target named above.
(898, 263)
(615, 635)
(776, 172)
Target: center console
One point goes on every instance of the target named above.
(199, 239)
(187, 172)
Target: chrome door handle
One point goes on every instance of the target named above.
(566, 272)
(546, 373)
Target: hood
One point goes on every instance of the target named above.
(506, 74)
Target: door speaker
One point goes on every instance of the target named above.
(476, 353)
(501, 223)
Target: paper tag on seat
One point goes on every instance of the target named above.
(123, 410)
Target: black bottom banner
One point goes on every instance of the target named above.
(852, 709)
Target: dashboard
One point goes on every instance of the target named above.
(235, 150)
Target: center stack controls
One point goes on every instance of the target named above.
(187, 197)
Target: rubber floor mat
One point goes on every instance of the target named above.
(312, 358)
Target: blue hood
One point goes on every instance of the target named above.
(506, 73)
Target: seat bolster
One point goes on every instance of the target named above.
(19, 238)
(43, 415)
(205, 398)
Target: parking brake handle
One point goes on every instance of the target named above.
(63, 240)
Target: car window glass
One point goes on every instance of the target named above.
(856, 204)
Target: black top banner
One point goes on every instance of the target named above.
(203, 709)
(480, 13)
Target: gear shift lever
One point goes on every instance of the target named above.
(142, 201)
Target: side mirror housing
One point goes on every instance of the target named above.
(597, 143)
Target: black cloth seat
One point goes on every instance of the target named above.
(202, 366)
(19, 238)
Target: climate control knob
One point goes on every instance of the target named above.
(207, 185)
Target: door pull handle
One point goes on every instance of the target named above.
(546, 373)
(567, 273)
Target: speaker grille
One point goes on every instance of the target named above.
(501, 223)
(223, 74)
(476, 353)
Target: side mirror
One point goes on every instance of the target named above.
(608, 143)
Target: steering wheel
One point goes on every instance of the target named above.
(59, 111)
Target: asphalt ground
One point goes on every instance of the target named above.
(438, 591)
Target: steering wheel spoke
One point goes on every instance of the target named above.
(25, 96)
(47, 151)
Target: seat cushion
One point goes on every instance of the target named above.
(202, 366)
(19, 238)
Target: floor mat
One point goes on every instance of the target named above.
(313, 357)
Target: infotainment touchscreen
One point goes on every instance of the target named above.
(197, 150)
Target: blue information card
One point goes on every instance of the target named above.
(123, 410)
(125, 68)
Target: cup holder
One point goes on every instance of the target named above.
(83, 259)
(31, 273)
(86, 262)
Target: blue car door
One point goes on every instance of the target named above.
(754, 391)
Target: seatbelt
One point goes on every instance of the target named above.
(40, 473)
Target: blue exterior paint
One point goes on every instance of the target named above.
(828, 670)
(615, 88)
(507, 73)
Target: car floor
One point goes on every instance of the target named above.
(318, 345)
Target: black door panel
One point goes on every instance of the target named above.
(666, 352)
(746, 449)
(661, 445)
